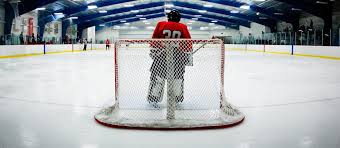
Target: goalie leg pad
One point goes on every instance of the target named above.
(156, 89)
(178, 89)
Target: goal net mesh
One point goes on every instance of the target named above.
(169, 83)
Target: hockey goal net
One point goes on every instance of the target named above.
(169, 84)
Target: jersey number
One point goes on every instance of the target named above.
(171, 34)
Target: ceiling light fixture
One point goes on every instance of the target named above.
(102, 11)
(134, 11)
(321, 2)
(296, 9)
(128, 5)
(42, 8)
(92, 7)
(247, 7)
(278, 13)
(59, 15)
(234, 11)
(168, 5)
(204, 28)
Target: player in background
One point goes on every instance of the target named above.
(85, 44)
(107, 42)
(168, 30)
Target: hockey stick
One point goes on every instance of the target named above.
(199, 48)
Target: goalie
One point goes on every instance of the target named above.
(168, 30)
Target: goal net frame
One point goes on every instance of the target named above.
(227, 114)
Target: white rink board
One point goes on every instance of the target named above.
(333, 51)
(255, 47)
(101, 46)
(79, 47)
(9, 50)
(281, 48)
(58, 48)
(235, 46)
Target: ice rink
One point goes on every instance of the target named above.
(289, 102)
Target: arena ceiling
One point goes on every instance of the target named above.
(226, 13)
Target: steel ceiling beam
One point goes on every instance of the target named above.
(102, 3)
(207, 20)
(121, 17)
(268, 23)
(254, 8)
(121, 10)
(180, 4)
(150, 5)
(130, 20)
(236, 20)
(29, 5)
(227, 22)
(218, 18)
(157, 4)
(72, 11)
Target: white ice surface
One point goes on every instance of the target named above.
(289, 102)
